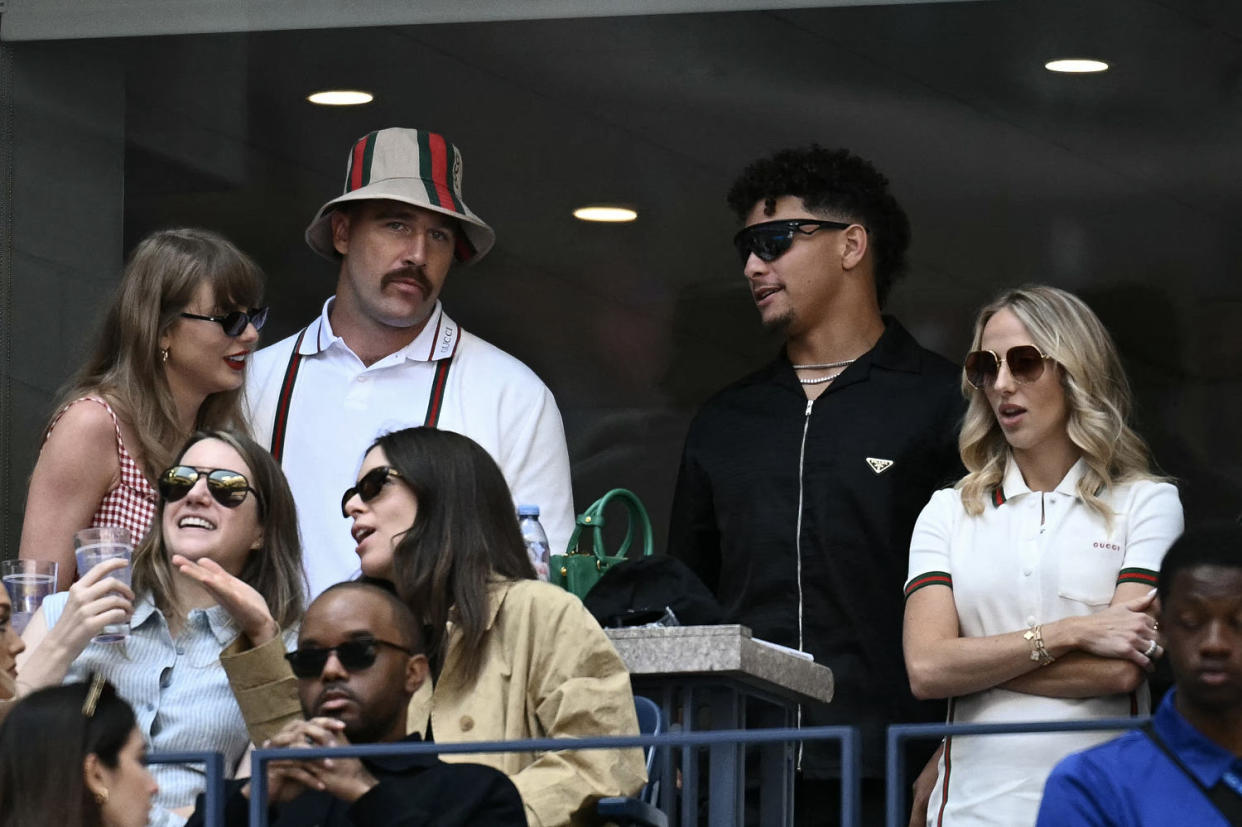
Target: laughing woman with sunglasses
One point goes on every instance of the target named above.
(225, 510)
(1031, 580)
(170, 359)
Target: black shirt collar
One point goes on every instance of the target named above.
(895, 350)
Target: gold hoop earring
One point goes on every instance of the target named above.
(164, 354)
(101, 797)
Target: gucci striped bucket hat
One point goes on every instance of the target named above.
(412, 166)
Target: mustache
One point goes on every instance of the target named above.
(337, 688)
(414, 274)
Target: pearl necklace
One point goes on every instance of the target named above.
(822, 379)
(826, 365)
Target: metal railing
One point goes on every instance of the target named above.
(847, 737)
(896, 811)
(213, 762)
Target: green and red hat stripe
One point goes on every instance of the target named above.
(931, 578)
(436, 158)
(360, 162)
(1136, 575)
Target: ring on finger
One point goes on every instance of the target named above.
(1151, 649)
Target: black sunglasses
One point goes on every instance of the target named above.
(234, 323)
(1026, 364)
(369, 486)
(354, 655)
(228, 488)
(771, 239)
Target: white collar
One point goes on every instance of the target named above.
(1013, 485)
(437, 340)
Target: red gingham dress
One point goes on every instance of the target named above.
(129, 504)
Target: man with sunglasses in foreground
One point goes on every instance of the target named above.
(800, 484)
(383, 355)
(359, 661)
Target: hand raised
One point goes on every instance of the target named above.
(246, 606)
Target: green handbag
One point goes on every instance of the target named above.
(581, 568)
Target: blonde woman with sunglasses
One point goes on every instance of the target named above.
(1031, 581)
(170, 358)
(225, 508)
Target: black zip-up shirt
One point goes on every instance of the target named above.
(798, 515)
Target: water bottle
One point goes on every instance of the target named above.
(535, 538)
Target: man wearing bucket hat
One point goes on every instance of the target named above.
(383, 355)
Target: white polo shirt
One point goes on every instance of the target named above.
(339, 406)
(1010, 570)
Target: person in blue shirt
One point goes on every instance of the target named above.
(1186, 766)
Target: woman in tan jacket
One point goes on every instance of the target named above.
(512, 657)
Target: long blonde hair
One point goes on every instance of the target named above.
(1096, 393)
(161, 278)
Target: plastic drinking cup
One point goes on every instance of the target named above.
(93, 546)
(27, 582)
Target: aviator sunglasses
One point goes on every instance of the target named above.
(226, 487)
(1026, 364)
(369, 486)
(234, 323)
(771, 239)
(354, 655)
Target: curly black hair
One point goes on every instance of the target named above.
(836, 183)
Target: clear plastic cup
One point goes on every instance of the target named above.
(27, 582)
(93, 546)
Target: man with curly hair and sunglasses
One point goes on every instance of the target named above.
(800, 484)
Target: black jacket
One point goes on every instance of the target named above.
(765, 472)
(413, 791)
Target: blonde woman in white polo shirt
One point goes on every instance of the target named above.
(1031, 580)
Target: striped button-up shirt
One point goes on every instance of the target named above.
(179, 692)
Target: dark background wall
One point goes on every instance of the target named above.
(1124, 187)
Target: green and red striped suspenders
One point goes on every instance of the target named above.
(434, 404)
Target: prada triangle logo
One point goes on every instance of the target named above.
(879, 465)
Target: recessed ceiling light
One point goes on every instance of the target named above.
(1076, 65)
(602, 213)
(341, 97)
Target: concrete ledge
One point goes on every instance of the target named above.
(725, 651)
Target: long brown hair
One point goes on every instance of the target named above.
(464, 538)
(274, 570)
(162, 276)
(44, 742)
(1096, 393)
